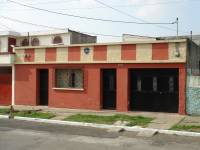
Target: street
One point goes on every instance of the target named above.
(24, 135)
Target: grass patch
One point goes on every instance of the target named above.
(34, 114)
(190, 128)
(133, 120)
(4, 111)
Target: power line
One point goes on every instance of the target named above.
(29, 23)
(44, 26)
(124, 13)
(50, 2)
(83, 17)
(50, 27)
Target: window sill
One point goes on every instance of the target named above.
(69, 89)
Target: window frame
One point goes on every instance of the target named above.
(69, 89)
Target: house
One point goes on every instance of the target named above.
(149, 74)
(140, 75)
(10, 39)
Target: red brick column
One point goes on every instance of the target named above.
(122, 89)
(182, 91)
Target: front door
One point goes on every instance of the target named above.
(109, 88)
(43, 83)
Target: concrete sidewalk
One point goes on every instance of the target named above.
(161, 121)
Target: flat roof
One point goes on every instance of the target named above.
(33, 33)
(109, 43)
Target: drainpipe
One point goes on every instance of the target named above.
(28, 39)
(13, 85)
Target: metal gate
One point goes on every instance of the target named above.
(154, 90)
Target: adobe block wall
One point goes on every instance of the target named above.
(193, 79)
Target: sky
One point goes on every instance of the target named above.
(162, 11)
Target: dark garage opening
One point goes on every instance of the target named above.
(154, 90)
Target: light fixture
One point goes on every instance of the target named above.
(177, 52)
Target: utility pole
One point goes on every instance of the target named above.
(177, 23)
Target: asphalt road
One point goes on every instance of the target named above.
(24, 135)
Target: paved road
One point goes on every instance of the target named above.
(24, 135)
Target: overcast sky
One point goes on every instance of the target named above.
(149, 10)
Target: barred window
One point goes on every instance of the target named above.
(25, 42)
(57, 40)
(35, 42)
(69, 78)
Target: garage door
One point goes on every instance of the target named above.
(154, 90)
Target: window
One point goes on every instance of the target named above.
(57, 40)
(199, 67)
(155, 84)
(139, 84)
(69, 78)
(25, 42)
(35, 42)
(171, 84)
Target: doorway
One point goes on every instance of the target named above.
(154, 90)
(109, 88)
(43, 86)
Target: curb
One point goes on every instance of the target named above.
(103, 126)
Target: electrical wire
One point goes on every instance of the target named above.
(126, 14)
(50, 27)
(83, 17)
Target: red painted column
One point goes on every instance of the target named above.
(122, 89)
(182, 91)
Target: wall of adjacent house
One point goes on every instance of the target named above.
(79, 38)
(193, 79)
(5, 85)
(4, 44)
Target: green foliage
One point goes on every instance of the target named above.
(132, 120)
(34, 114)
(4, 111)
(191, 128)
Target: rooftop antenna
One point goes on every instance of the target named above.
(191, 35)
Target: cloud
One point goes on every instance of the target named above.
(148, 9)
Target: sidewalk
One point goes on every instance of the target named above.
(161, 121)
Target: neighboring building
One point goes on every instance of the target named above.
(141, 75)
(9, 39)
(130, 37)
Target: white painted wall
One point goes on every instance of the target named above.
(3, 43)
(130, 38)
(6, 59)
(47, 39)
